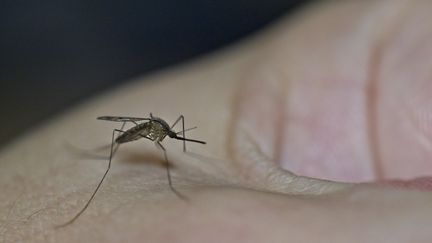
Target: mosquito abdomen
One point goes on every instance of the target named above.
(134, 133)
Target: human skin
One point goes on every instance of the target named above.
(341, 92)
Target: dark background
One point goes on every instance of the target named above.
(54, 53)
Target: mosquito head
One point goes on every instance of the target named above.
(172, 134)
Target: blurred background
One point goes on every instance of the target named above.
(56, 53)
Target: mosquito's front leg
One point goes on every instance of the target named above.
(181, 117)
(159, 145)
(168, 165)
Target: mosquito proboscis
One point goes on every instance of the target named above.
(152, 128)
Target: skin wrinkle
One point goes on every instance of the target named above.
(281, 116)
(372, 112)
(264, 175)
(372, 90)
(233, 148)
(253, 163)
(264, 82)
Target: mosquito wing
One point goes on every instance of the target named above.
(122, 118)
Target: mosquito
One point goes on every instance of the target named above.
(154, 129)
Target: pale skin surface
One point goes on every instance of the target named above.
(341, 91)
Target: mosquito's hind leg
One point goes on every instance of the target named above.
(168, 165)
(181, 117)
(113, 150)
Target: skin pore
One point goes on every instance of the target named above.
(339, 92)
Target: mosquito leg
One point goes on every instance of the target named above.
(188, 129)
(112, 152)
(181, 117)
(117, 145)
(175, 123)
(184, 133)
(168, 165)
